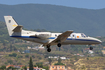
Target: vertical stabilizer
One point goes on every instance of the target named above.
(11, 24)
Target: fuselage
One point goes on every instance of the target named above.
(46, 37)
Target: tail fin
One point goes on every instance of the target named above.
(12, 26)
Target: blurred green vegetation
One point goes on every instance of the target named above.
(11, 50)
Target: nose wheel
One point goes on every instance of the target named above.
(91, 48)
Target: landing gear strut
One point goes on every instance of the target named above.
(59, 45)
(48, 48)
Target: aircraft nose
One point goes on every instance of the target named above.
(99, 41)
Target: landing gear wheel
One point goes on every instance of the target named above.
(91, 48)
(49, 50)
(59, 44)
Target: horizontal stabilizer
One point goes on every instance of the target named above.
(17, 29)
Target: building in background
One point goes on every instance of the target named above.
(35, 68)
(57, 67)
(15, 66)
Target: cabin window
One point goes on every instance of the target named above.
(83, 35)
(55, 35)
(9, 21)
(73, 36)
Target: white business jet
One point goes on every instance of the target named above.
(48, 38)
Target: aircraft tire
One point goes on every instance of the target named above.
(49, 50)
(59, 44)
(91, 48)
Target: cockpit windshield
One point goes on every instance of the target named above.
(83, 35)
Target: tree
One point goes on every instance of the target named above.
(40, 64)
(83, 67)
(35, 65)
(12, 68)
(13, 55)
(25, 68)
(27, 55)
(10, 61)
(3, 67)
(30, 64)
(49, 59)
(59, 60)
(46, 67)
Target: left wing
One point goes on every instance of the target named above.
(62, 37)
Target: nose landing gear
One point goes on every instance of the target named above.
(91, 48)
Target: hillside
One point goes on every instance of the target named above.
(57, 18)
(12, 52)
(90, 63)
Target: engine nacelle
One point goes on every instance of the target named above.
(43, 35)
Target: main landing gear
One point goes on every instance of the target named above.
(49, 49)
(59, 44)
